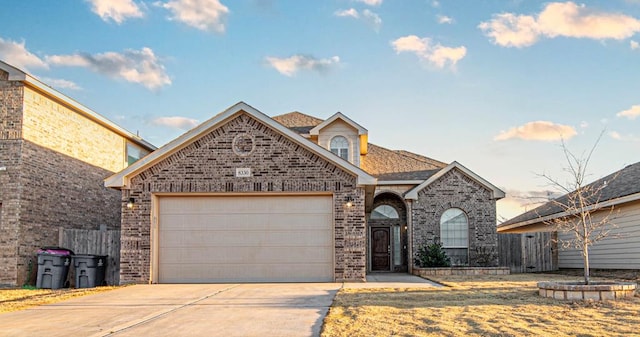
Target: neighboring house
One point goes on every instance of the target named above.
(54, 155)
(621, 250)
(245, 197)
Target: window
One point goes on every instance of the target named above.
(384, 212)
(134, 153)
(340, 146)
(454, 233)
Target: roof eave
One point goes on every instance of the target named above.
(338, 115)
(121, 179)
(497, 193)
(16, 74)
(522, 226)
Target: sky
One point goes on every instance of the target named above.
(497, 85)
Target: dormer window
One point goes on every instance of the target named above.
(340, 146)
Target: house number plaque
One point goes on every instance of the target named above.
(243, 172)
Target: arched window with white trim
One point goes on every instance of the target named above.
(454, 234)
(340, 146)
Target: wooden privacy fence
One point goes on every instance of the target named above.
(95, 242)
(528, 252)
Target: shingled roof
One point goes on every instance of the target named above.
(380, 162)
(298, 122)
(618, 186)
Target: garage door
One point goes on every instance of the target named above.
(245, 239)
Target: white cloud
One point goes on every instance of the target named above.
(291, 65)
(634, 45)
(17, 55)
(435, 3)
(538, 130)
(181, 123)
(116, 10)
(61, 83)
(442, 19)
(373, 19)
(371, 2)
(564, 19)
(136, 66)
(584, 124)
(366, 15)
(615, 135)
(351, 12)
(436, 55)
(509, 30)
(631, 113)
(206, 15)
(625, 138)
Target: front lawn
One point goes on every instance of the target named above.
(19, 299)
(477, 306)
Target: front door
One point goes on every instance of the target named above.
(380, 249)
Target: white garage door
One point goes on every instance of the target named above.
(245, 239)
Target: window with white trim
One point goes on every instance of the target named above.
(340, 146)
(454, 234)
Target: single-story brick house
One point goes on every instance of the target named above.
(54, 156)
(621, 249)
(245, 197)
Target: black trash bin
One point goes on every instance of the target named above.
(53, 267)
(90, 270)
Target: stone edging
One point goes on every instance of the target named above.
(461, 271)
(597, 291)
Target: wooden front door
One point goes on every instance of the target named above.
(380, 249)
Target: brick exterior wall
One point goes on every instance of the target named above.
(208, 166)
(55, 126)
(11, 94)
(455, 189)
(55, 163)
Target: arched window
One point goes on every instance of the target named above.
(454, 234)
(384, 212)
(340, 146)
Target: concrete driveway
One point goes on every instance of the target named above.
(290, 309)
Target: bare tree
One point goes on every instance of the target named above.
(578, 205)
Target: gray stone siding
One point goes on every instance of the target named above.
(455, 189)
(208, 166)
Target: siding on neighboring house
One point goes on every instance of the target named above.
(621, 250)
(55, 158)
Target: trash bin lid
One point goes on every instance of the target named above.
(55, 251)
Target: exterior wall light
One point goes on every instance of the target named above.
(130, 203)
(349, 200)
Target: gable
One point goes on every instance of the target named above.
(243, 143)
(496, 193)
(214, 128)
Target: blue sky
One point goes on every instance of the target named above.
(492, 84)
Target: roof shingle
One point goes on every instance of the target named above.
(617, 185)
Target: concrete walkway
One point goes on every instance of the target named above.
(263, 309)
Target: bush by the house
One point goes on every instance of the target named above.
(432, 255)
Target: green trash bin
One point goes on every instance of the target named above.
(53, 267)
(90, 270)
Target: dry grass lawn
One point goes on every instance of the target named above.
(477, 306)
(19, 299)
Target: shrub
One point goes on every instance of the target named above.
(432, 255)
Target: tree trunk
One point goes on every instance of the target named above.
(585, 256)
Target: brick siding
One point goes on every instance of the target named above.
(55, 162)
(208, 165)
(455, 189)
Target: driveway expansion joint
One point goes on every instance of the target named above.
(155, 316)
